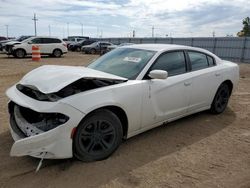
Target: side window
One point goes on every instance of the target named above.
(173, 62)
(36, 41)
(51, 40)
(210, 61)
(198, 60)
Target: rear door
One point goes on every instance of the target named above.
(206, 79)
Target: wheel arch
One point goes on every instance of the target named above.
(118, 111)
(21, 49)
(57, 49)
(229, 83)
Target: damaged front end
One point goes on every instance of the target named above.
(78, 86)
(26, 122)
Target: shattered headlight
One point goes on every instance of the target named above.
(33, 123)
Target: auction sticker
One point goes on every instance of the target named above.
(132, 59)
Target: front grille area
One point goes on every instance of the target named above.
(26, 122)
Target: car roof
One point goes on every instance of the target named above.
(167, 47)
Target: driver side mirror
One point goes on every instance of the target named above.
(158, 74)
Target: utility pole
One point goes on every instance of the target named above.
(153, 30)
(213, 33)
(7, 30)
(82, 29)
(49, 31)
(35, 20)
(133, 33)
(68, 28)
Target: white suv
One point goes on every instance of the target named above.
(48, 46)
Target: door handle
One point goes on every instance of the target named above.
(187, 83)
(217, 74)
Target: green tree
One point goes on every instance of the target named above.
(245, 32)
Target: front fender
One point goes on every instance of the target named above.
(127, 96)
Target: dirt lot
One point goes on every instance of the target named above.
(202, 150)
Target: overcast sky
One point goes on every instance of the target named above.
(176, 18)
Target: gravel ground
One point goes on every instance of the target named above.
(201, 150)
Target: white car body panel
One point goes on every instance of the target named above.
(51, 78)
(47, 48)
(147, 103)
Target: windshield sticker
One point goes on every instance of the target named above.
(132, 59)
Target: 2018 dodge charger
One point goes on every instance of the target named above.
(86, 112)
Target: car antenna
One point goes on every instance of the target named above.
(40, 162)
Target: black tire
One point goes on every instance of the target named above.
(19, 53)
(57, 53)
(97, 136)
(221, 99)
(78, 49)
(93, 51)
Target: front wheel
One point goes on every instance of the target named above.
(98, 136)
(221, 99)
(19, 53)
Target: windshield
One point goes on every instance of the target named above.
(124, 62)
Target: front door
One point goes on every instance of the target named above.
(167, 98)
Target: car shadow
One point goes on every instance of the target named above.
(133, 153)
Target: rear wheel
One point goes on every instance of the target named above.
(57, 53)
(221, 99)
(98, 136)
(93, 51)
(78, 49)
(20, 53)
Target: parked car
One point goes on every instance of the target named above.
(19, 40)
(48, 46)
(3, 38)
(78, 45)
(13, 41)
(66, 111)
(75, 39)
(96, 47)
(112, 47)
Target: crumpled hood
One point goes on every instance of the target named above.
(52, 78)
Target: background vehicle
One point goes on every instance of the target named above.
(3, 38)
(75, 39)
(48, 46)
(86, 112)
(19, 40)
(112, 47)
(13, 41)
(96, 47)
(78, 45)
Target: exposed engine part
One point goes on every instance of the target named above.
(78, 86)
(33, 123)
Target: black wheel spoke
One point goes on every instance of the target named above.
(84, 133)
(104, 144)
(90, 145)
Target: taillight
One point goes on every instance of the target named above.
(64, 44)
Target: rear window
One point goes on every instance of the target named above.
(198, 60)
(210, 61)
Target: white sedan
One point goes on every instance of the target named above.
(86, 112)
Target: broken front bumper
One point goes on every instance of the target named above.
(32, 139)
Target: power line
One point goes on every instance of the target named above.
(35, 20)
